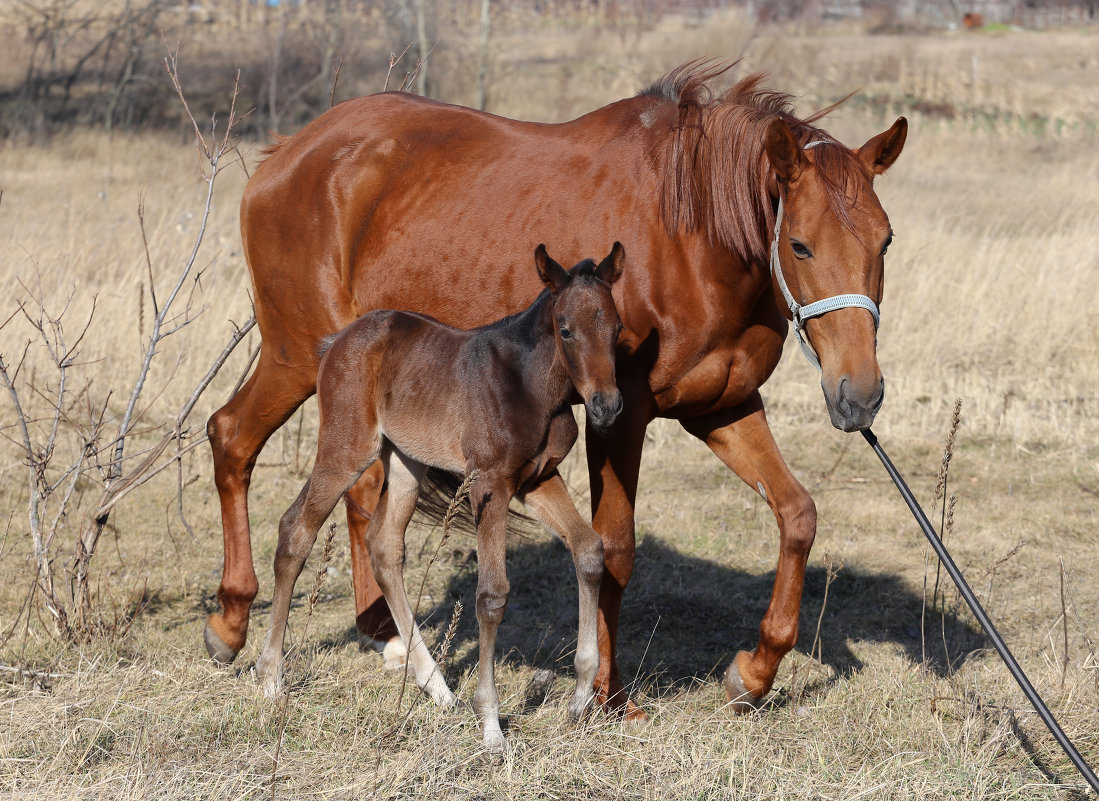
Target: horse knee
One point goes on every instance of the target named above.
(798, 521)
(232, 463)
(618, 556)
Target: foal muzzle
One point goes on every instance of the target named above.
(603, 409)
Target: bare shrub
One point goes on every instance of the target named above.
(79, 454)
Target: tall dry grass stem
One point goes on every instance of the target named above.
(941, 484)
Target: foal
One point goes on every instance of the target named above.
(406, 389)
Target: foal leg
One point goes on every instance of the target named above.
(385, 539)
(373, 620)
(490, 508)
(743, 441)
(550, 503)
(338, 465)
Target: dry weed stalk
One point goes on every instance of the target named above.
(946, 526)
(451, 630)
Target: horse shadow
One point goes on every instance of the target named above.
(684, 617)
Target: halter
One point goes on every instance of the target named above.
(817, 308)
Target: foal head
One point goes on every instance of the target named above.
(586, 327)
(832, 242)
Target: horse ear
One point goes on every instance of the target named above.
(880, 152)
(610, 269)
(783, 151)
(553, 275)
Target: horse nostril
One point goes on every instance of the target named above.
(598, 407)
(616, 404)
(842, 403)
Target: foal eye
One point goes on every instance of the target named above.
(888, 242)
(800, 251)
(565, 333)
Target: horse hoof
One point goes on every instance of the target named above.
(740, 699)
(580, 705)
(392, 650)
(216, 647)
(635, 715)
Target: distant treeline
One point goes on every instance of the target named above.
(84, 62)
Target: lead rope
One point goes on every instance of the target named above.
(800, 313)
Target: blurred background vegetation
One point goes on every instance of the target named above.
(72, 63)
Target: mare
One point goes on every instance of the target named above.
(398, 201)
(411, 393)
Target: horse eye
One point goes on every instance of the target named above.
(888, 242)
(565, 333)
(800, 251)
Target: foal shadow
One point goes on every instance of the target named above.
(684, 618)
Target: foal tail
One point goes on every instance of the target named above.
(439, 492)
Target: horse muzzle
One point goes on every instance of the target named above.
(851, 408)
(603, 409)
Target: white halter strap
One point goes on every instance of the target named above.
(801, 313)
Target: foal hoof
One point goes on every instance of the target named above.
(495, 743)
(269, 673)
(439, 692)
(392, 650)
(219, 651)
(741, 699)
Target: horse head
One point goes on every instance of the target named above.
(586, 327)
(828, 258)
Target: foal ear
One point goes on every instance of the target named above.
(610, 269)
(553, 275)
(880, 152)
(783, 151)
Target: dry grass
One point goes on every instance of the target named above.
(991, 296)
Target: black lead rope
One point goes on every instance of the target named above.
(982, 618)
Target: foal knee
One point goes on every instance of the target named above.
(492, 600)
(589, 561)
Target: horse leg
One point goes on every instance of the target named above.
(335, 470)
(490, 507)
(386, 543)
(613, 466)
(372, 616)
(550, 503)
(237, 433)
(742, 440)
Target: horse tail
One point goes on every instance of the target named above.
(325, 345)
(439, 493)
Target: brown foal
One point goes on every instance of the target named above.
(414, 393)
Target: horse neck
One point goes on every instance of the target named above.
(537, 360)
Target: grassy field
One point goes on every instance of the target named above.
(992, 291)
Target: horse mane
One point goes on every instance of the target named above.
(717, 176)
(278, 140)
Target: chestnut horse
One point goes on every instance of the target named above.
(397, 201)
(409, 392)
